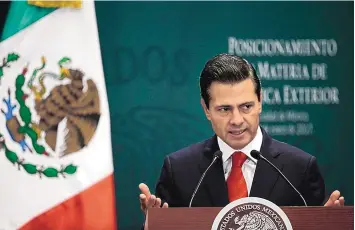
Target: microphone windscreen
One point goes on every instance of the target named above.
(218, 154)
(255, 154)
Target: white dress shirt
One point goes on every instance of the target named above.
(249, 166)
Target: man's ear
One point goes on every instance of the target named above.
(261, 102)
(205, 109)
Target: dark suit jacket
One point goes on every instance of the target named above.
(183, 169)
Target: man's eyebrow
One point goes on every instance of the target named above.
(247, 103)
(219, 106)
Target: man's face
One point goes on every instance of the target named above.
(234, 112)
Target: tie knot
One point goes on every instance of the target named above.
(238, 159)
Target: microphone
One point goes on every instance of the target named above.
(257, 155)
(216, 155)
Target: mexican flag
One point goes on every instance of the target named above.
(56, 167)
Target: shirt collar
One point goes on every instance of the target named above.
(227, 151)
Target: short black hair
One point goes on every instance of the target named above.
(227, 68)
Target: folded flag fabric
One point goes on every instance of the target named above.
(56, 167)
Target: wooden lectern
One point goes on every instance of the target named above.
(301, 218)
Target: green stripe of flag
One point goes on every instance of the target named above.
(21, 15)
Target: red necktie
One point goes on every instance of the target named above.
(237, 187)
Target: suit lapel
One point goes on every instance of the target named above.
(265, 175)
(214, 181)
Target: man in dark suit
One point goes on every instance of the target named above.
(232, 101)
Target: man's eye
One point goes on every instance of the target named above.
(223, 109)
(247, 106)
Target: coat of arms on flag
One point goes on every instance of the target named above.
(36, 104)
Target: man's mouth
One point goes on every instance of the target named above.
(237, 132)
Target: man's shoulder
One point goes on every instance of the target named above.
(290, 151)
(192, 151)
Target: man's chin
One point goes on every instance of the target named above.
(238, 144)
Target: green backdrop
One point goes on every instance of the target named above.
(153, 54)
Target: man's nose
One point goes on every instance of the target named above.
(237, 118)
